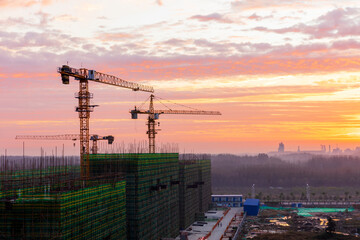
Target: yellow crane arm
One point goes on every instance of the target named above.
(188, 112)
(95, 76)
(154, 115)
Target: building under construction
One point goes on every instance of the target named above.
(127, 196)
(45, 198)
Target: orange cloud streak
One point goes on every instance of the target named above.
(220, 67)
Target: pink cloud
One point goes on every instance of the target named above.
(23, 3)
(202, 67)
(260, 4)
(257, 17)
(52, 40)
(346, 44)
(188, 67)
(115, 36)
(336, 23)
(135, 60)
(212, 17)
(254, 16)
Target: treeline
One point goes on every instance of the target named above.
(264, 171)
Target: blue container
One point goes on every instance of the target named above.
(293, 205)
(300, 205)
(252, 206)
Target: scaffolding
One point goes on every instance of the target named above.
(152, 192)
(205, 184)
(195, 188)
(45, 198)
(189, 193)
(127, 196)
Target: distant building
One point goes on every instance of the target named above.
(281, 147)
(252, 206)
(348, 151)
(357, 150)
(337, 151)
(323, 148)
(227, 200)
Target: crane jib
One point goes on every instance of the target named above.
(92, 75)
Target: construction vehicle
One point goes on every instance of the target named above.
(153, 115)
(74, 137)
(84, 76)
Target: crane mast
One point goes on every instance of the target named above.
(151, 126)
(84, 108)
(153, 115)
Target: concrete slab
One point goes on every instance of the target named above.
(196, 231)
(220, 229)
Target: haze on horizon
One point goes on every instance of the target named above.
(282, 71)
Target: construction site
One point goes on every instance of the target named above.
(139, 192)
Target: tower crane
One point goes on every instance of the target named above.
(84, 76)
(153, 115)
(94, 138)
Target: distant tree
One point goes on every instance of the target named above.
(292, 196)
(331, 225)
(303, 197)
(263, 156)
(357, 194)
(324, 195)
(313, 195)
(281, 196)
(346, 195)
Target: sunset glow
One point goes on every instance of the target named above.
(287, 71)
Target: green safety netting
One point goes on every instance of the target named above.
(94, 212)
(143, 206)
(151, 199)
(306, 212)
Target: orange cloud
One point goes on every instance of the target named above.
(204, 67)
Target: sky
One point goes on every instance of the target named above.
(278, 71)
